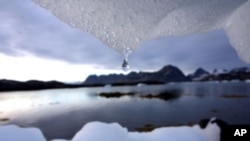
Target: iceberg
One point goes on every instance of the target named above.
(99, 131)
(124, 24)
(15, 133)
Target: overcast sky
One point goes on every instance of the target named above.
(34, 44)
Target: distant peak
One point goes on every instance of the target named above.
(168, 67)
(201, 71)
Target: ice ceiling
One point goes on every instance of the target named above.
(124, 24)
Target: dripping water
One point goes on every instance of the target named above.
(126, 53)
(125, 66)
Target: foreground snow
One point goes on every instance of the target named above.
(98, 131)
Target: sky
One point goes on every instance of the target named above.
(34, 44)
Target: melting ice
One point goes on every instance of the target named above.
(122, 24)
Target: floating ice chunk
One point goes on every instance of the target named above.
(141, 84)
(123, 24)
(15, 133)
(98, 131)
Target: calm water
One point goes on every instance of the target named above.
(60, 113)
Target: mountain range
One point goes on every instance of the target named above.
(166, 74)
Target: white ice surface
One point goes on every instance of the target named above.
(124, 24)
(98, 131)
(15, 133)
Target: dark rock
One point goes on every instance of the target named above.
(163, 95)
(115, 94)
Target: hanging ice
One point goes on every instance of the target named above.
(123, 24)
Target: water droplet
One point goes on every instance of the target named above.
(125, 66)
(126, 53)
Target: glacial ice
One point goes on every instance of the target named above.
(15, 133)
(99, 131)
(123, 24)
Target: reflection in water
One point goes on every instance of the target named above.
(23, 105)
(14, 104)
(61, 113)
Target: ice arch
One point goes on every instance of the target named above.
(123, 24)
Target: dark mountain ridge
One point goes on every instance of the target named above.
(166, 74)
(11, 85)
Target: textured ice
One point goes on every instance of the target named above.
(124, 24)
(98, 131)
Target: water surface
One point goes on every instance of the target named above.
(60, 113)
